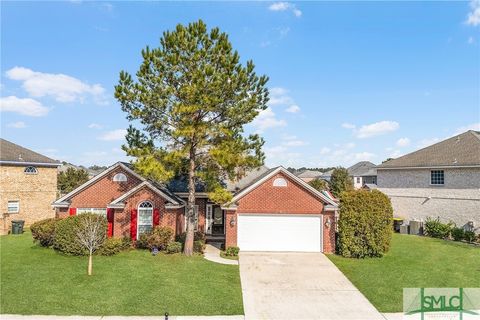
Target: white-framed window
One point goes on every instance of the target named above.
(30, 170)
(195, 209)
(358, 179)
(145, 218)
(100, 211)
(13, 206)
(437, 177)
(120, 177)
(279, 182)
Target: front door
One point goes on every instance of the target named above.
(218, 226)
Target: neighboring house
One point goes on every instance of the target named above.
(271, 209)
(327, 176)
(363, 172)
(309, 175)
(28, 185)
(442, 180)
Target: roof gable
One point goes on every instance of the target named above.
(163, 192)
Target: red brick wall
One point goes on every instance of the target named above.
(290, 199)
(329, 233)
(104, 191)
(230, 232)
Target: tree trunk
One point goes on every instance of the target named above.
(188, 249)
(90, 260)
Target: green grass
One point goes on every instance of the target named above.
(412, 262)
(36, 280)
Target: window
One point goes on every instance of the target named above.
(279, 182)
(374, 180)
(120, 177)
(437, 177)
(30, 170)
(13, 206)
(145, 218)
(100, 211)
(358, 179)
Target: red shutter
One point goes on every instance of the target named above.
(73, 211)
(156, 217)
(110, 222)
(133, 224)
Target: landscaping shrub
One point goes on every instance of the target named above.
(197, 235)
(232, 251)
(111, 246)
(43, 231)
(174, 247)
(470, 236)
(198, 246)
(142, 241)
(126, 242)
(458, 234)
(365, 225)
(160, 237)
(66, 235)
(436, 229)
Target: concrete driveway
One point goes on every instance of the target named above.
(299, 286)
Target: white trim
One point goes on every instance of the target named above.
(60, 205)
(21, 163)
(141, 185)
(197, 194)
(208, 220)
(302, 183)
(96, 178)
(232, 208)
(138, 214)
(15, 205)
(430, 167)
(170, 206)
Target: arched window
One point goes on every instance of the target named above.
(120, 177)
(30, 170)
(145, 218)
(279, 182)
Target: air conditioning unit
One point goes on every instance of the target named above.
(416, 227)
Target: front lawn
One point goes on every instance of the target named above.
(36, 280)
(412, 262)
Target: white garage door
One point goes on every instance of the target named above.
(274, 232)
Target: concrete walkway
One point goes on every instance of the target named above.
(20, 317)
(212, 253)
(299, 286)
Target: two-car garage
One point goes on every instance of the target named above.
(280, 232)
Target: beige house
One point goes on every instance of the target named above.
(28, 185)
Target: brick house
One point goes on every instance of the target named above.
(271, 209)
(28, 185)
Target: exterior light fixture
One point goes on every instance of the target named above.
(232, 222)
(328, 223)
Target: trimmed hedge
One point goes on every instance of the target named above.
(43, 231)
(160, 238)
(66, 237)
(174, 247)
(365, 224)
(232, 251)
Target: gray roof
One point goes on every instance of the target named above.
(460, 150)
(362, 168)
(11, 152)
(328, 173)
(309, 174)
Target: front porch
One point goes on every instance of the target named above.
(215, 226)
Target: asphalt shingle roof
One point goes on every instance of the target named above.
(309, 174)
(460, 150)
(10, 151)
(362, 168)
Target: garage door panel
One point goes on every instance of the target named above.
(274, 232)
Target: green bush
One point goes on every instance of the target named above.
(174, 247)
(43, 231)
(126, 242)
(365, 225)
(66, 234)
(470, 236)
(458, 234)
(142, 241)
(111, 246)
(160, 237)
(435, 229)
(232, 251)
(198, 246)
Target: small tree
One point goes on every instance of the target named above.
(319, 184)
(91, 234)
(365, 224)
(340, 181)
(71, 179)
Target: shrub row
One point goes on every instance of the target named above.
(436, 229)
(162, 239)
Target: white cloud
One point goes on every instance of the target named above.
(17, 125)
(348, 126)
(284, 6)
(325, 150)
(473, 17)
(61, 87)
(293, 109)
(376, 129)
(403, 142)
(115, 135)
(267, 119)
(294, 143)
(95, 126)
(279, 96)
(25, 106)
(471, 40)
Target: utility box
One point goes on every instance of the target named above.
(404, 229)
(416, 227)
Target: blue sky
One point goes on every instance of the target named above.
(349, 81)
